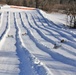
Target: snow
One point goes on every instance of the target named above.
(27, 40)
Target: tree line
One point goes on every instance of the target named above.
(48, 5)
(37, 3)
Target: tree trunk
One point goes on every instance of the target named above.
(36, 3)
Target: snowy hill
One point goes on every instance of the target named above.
(33, 42)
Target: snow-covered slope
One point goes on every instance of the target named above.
(31, 43)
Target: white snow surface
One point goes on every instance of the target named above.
(30, 43)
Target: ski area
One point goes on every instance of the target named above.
(33, 42)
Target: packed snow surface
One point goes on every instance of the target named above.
(33, 42)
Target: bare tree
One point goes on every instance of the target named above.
(24, 3)
(37, 4)
(71, 12)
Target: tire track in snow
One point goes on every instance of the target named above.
(4, 32)
(43, 36)
(4, 24)
(25, 64)
(39, 32)
(55, 35)
(40, 16)
(47, 23)
(8, 58)
(29, 61)
(54, 55)
(25, 25)
(50, 24)
(24, 22)
(68, 33)
(63, 33)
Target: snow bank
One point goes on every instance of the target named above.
(57, 18)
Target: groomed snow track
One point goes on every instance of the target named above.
(27, 42)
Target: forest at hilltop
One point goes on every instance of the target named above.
(47, 5)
